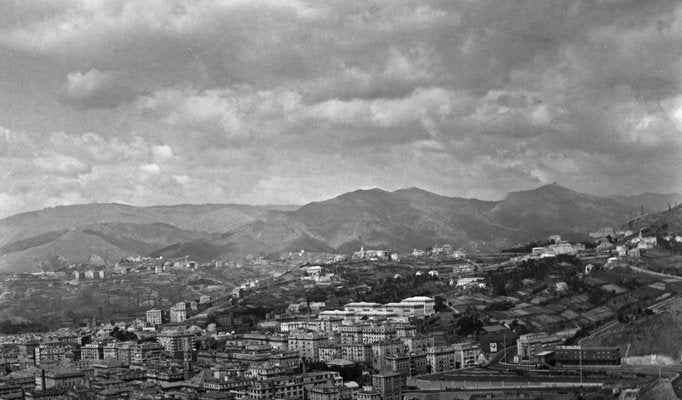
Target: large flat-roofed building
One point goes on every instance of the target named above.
(408, 364)
(418, 344)
(367, 393)
(405, 330)
(362, 306)
(532, 343)
(404, 309)
(468, 354)
(417, 306)
(427, 302)
(287, 359)
(456, 356)
(288, 387)
(350, 334)
(60, 378)
(92, 351)
(378, 333)
(385, 348)
(344, 315)
(329, 324)
(357, 352)
(389, 385)
(52, 353)
(118, 351)
(143, 352)
(154, 317)
(330, 392)
(252, 353)
(576, 355)
(328, 352)
(442, 359)
(178, 313)
(174, 341)
(561, 248)
(307, 344)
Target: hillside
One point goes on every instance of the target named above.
(399, 220)
(669, 221)
(72, 246)
(552, 208)
(661, 389)
(211, 218)
(652, 202)
(654, 334)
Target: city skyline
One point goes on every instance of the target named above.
(167, 102)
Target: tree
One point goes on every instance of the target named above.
(317, 294)
(468, 325)
(440, 305)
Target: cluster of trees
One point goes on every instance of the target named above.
(468, 325)
(123, 335)
(500, 306)
(9, 328)
(632, 313)
(670, 270)
(582, 332)
(392, 290)
(672, 246)
(210, 344)
(316, 294)
(502, 282)
(526, 247)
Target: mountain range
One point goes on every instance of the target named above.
(400, 220)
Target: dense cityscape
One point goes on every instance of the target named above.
(541, 319)
(341, 200)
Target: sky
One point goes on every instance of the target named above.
(149, 102)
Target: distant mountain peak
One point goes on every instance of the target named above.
(548, 189)
(370, 190)
(412, 189)
(364, 193)
(552, 186)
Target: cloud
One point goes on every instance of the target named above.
(225, 114)
(387, 113)
(246, 100)
(60, 163)
(41, 171)
(150, 169)
(81, 85)
(95, 89)
(162, 151)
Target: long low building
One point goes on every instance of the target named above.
(417, 306)
(287, 387)
(577, 355)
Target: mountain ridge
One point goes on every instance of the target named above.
(400, 220)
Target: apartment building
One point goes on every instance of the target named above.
(307, 344)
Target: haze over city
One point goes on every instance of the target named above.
(164, 102)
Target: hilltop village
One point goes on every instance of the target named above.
(527, 322)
